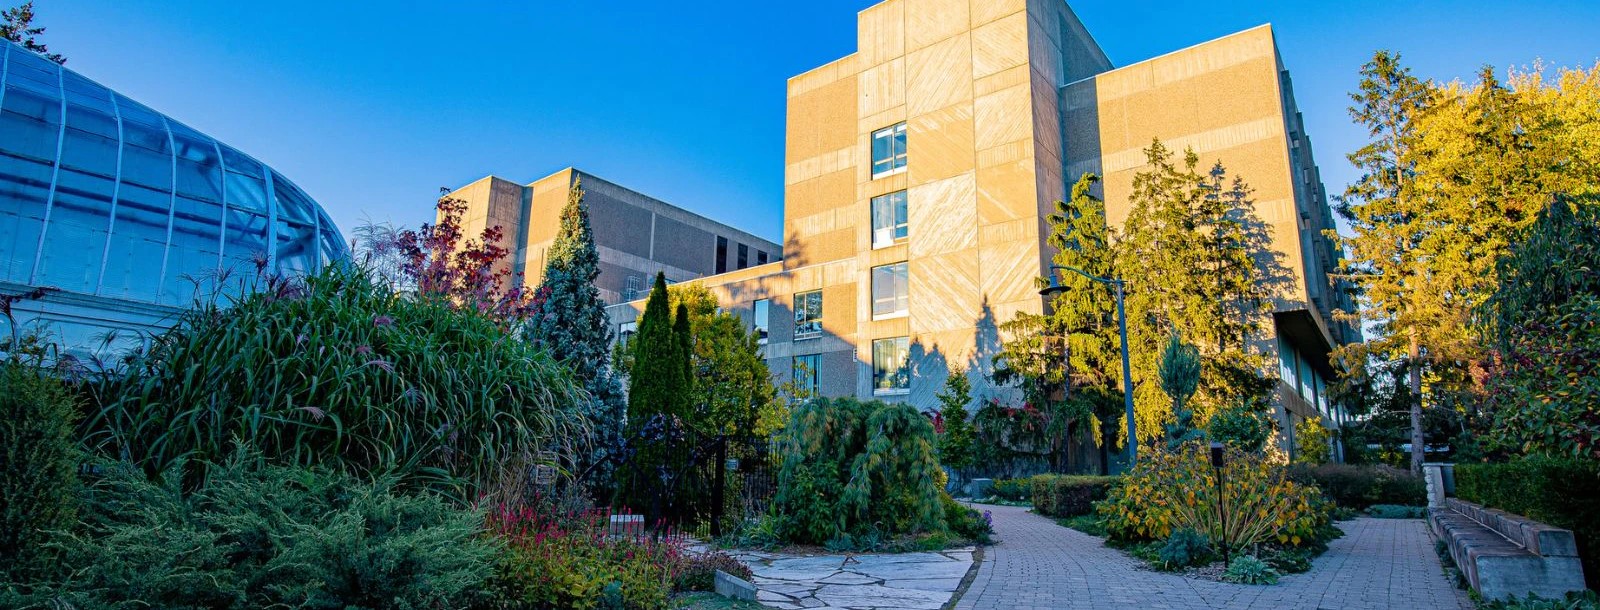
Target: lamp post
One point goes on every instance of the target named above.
(1056, 287)
(1222, 511)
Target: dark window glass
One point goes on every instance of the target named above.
(76, 238)
(761, 257)
(806, 374)
(722, 254)
(744, 256)
(808, 314)
(891, 373)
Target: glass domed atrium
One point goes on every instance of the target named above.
(130, 215)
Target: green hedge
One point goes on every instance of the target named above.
(1017, 490)
(1562, 492)
(1057, 495)
(38, 467)
(1359, 487)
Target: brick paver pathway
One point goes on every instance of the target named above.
(1039, 565)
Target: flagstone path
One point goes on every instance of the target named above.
(912, 581)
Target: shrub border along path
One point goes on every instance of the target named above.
(1039, 565)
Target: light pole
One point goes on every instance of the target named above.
(1055, 288)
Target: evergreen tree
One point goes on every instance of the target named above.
(1389, 222)
(1179, 373)
(955, 441)
(1207, 271)
(683, 337)
(657, 375)
(572, 324)
(17, 26)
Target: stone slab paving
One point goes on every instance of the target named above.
(912, 581)
(1039, 565)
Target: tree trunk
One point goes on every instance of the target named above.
(1415, 372)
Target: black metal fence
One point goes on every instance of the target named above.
(688, 480)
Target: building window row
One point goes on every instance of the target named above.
(889, 226)
(808, 314)
(891, 366)
(742, 256)
(890, 291)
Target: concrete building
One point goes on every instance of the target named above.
(920, 170)
(636, 235)
(128, 215)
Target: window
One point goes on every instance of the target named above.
(888, 219)
(761, 257)
(761, 312)
(889, 150)
(722, 254)
(891, 370)
(889, 289)
(805, 374)
(632, 286)
(808, 314)
(744, 256)
(626, 331)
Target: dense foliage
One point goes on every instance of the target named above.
(38, 467)
(1451, 176)
(1068, 496)
(956, 433)
(1016, 490)
(571, 324)
(658, 375)
(1171, 490)
(855, 469)
(1543, 390)
(338, 370)
(257, 535)
(1360, 486)
(1312, 442)
(1563, 492)
(1242, 427)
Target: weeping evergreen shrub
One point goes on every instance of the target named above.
(337, 369)
(38, 467)
(262, 536)
(855, 469)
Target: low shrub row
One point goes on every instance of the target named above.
(1359, 487)
(1015, 490)
(1563, 492)
(1068, 495)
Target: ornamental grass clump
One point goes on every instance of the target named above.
(1172, 490)
(338, 370)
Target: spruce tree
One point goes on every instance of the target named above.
(656, 378)
(572, 324)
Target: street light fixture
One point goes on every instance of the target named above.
(1056, 287)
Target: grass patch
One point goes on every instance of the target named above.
(1396, 511)
(712, 601)
(1089, 524)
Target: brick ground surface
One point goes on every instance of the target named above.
(1039, 565)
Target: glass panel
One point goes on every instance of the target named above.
(889, 290)
(89, 152)
(92, 119)
(199, 170)
(244, 246)
(139, 113)
(240, 163)
(193, 258)
(808, 314)
(76, 239)
(146, 156)
(246, 192)
(888, 219)
(888, 149)
(293, 204)
(806, 375)
(744, 256)
(24, 191)
(30, 125)
(297, 252)
(761, 314)
(722, 254)
(138, 243)
(890, 373)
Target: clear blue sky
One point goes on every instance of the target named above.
(371, 107)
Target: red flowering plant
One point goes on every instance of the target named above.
(567, 558)
(437, 260)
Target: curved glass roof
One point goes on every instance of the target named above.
(102, 196)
